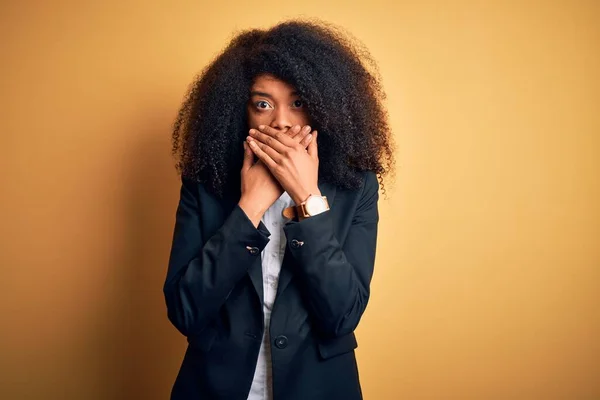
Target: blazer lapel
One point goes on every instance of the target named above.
(286, 274)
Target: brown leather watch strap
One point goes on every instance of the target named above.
(289, 212)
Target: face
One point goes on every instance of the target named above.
(275, 103)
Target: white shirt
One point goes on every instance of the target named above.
(272, 258)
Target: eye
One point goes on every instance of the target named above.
(298, 103)
(262, 104)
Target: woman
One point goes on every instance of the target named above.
(279, 143)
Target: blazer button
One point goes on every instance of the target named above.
(296, 243)
(281, 342)
(253, 250)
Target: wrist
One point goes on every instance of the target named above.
(253, 211)
(313, 205)
(301, 196)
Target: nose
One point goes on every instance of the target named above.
(281, 119)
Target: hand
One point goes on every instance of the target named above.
(259, 188)
(295, 168)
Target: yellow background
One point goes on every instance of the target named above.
(488, 267)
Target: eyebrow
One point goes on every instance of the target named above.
(264, 94)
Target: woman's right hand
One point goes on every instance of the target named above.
(260, 189)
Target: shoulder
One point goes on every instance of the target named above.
(369, 194)
(370, 181)
(366, 191)
(370, 187)
(199, 189)
(188, 183)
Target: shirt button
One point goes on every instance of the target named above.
(281, 342)
(296, 243)
(253, 250)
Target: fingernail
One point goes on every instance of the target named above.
(252, 131)
(309, 136)
(261, 127)
(307, 128)
(296, 128)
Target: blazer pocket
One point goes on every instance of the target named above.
(334, 347)
(203, 340)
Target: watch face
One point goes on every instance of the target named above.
(315, 205)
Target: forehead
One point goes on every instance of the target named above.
(273, 85)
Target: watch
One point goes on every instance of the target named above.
(313, 205)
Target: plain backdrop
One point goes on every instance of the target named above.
(488, 266)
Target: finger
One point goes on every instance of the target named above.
(275, 156)
(248, 157)
(295, 132)
(313, 150)
(301, 135)
(306, 140)
(279, 136)
(272, 141)
(257, 148)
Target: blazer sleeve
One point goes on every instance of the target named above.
(203, 271)
(336, 277)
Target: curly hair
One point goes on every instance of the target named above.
(333, 74)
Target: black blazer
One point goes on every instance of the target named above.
(214, 295)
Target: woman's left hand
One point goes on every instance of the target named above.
(296, 168)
